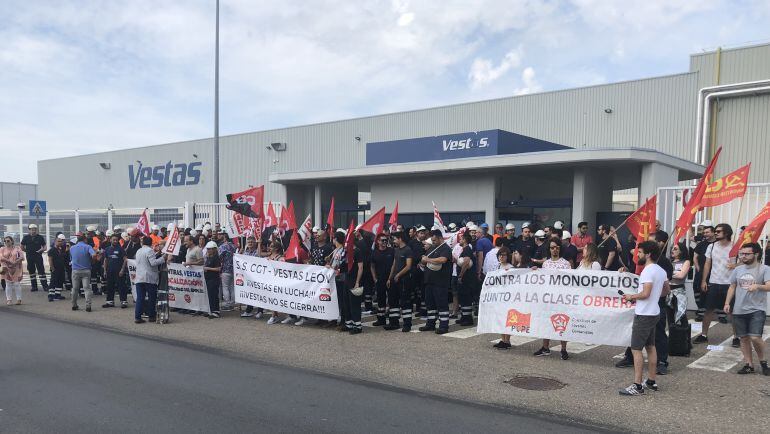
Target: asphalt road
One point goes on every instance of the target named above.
(59, 377)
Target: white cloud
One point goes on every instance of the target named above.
(81, 76)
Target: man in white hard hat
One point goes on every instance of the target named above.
(509, 238)
(34, 245)
(540, 246)
(58, 260)
(568, 250)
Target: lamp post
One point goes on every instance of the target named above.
(216, 109)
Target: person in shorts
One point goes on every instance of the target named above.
(718, 268)
(749, 284)
(653, 282)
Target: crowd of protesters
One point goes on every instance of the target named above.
(413, 272)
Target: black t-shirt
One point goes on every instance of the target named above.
(700, 249)
(527, 245)
(604, 252)
(442, 277)
(468, 253)
(418, 251)
(570, 253)
(33, 243)
(365, 246)
(319, 254)
(352, 272)
(213, 262)
(60, 257)
(382, 261)
(178, 259)
(131, 248)
(541, 251)
(400, 255)
(114, 258)
(666, 265)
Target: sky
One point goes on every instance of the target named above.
(80, 77)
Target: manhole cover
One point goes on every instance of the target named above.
(532, 382)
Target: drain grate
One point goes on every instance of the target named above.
(533, 382)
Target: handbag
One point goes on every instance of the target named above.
(357, 291)
(431, 266)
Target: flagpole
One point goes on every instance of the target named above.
(620, 226)
(738, 220)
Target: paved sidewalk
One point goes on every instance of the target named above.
(467, 368)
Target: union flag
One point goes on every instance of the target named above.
(753, 231)
(693, 205)
(729, 187)
(247, 202)
(641, 223)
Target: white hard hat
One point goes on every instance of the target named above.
(74, 240)
(193, 233)
(199, 228)
(155, 227)
(316, 229)
(117, 228)
(510, 227)
(421, 228)
(706, 223)
(109, 233)
(61, 237)
(33, 226)
(525, 225)
(469, 224)
(211, 245)
(473, 228)
(558, 225)
(207, 227)
(91, 228)
(124, 235)
(452, 227)
(565, 235)
(342, 231)
(540, 234)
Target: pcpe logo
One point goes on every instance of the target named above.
(167, 175)
(460, 145)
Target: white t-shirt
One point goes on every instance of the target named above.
(720, 274)
(594, 266)
(656, 275)
(490, 261)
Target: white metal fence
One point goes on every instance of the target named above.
(218, 213)
(736, 213)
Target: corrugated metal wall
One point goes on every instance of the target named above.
(11, 193)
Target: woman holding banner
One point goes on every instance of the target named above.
(212, 268)
(590, 259)
(554, 262)
(504, 256)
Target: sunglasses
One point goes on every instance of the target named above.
(554, 247)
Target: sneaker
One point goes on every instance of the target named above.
(273, 320)
(736, 343)
(258, 315)
(391, 326)
(245, 314)
(765, 368)
(214, 315)
(662, 369)
(502, 345)
(88, 308)
(442, 331)
(50, 298)
(73, 307)
(287, 320)
(700, 339)
(564, 355)
(302, 322)
(624, 363)
(106, 305)
(406, 329)
(651, 385)
(543, 351)
(746, 369)
(123, 304)
(427, 328)
(632, 390)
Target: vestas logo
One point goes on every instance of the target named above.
(460, 145)
(168, 175)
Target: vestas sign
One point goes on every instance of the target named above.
(453, 146)
(167, 175)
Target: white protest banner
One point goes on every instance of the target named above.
(297, 289)
(187, 288)
(172, 241)
(571, 305)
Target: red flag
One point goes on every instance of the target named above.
(375, 223)
(689, 211)
(247, 202)
(437, 218)
(641, 223)
(729, 187)
(143, 225)
(350, 244)
(270, 220)
(293, 251)
(753, 231)
(306, 232)
(287, 221)
(293, 222)
(330, 220)
(393, 220)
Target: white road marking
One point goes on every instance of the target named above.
(574, 347)
(463, 334)
(723, 361)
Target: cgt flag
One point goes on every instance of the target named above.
(729, 187)
(143, 225)
(375, 223)
(172, 245)
(689, 211)
(753, 231)
(247, 202)
(330, 220)
(306, 232)
(393, 220)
